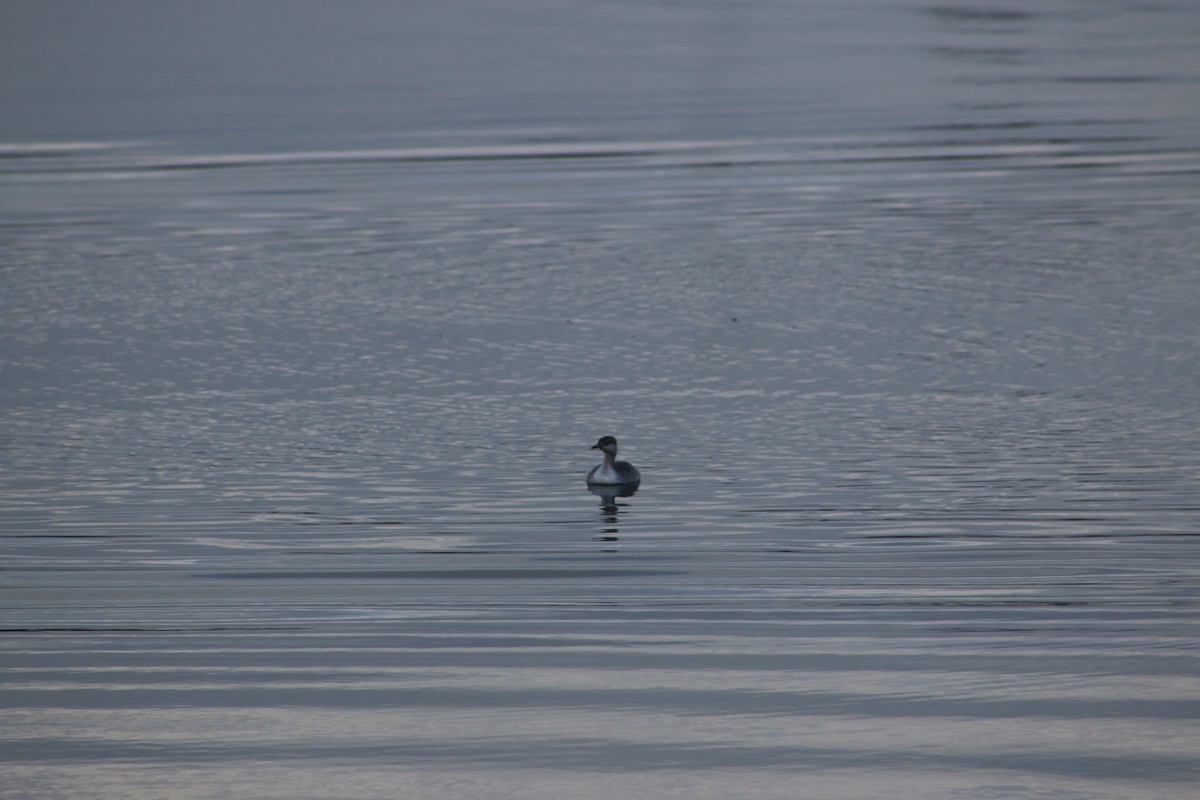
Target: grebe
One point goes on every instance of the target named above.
(612, 471)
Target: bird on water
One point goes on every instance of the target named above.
(612, 471)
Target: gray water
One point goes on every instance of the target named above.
(310, 313)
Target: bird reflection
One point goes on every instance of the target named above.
(609, 510)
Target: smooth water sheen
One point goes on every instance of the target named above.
(310, 313)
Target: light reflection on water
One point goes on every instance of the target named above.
(296, 422)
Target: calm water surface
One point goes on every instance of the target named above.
(311, 312)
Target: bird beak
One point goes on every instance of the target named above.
(596, 446)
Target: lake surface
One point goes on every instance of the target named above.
(310, 312)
